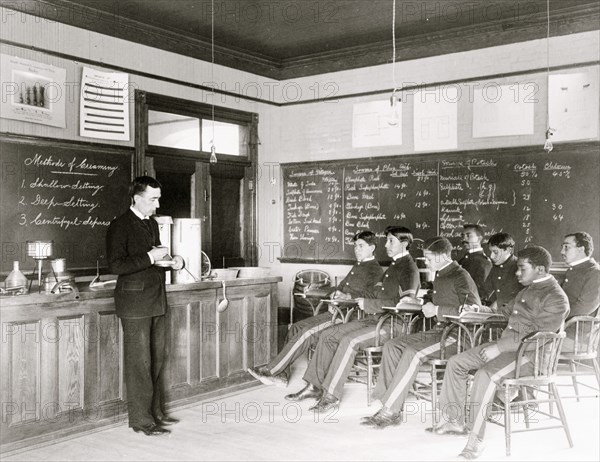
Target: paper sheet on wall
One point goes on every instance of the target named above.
(503, 110)
(573, 106)
(104, 105)
(435, 119)
(32, 91)
(376, 124)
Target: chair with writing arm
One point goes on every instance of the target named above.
(341, 311)
(456, 337)
(581, 344)
(486, 332)
(539, 353)
(309, 287)
(489, 331)
(368, 359)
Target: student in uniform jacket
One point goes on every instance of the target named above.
(582, 280)
(501, 286)
(541, 306)
(335, 353)
(453, 287)
(133, 246)
(477, 264)
(359, 282)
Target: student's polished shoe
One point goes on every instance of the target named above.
(309, 391)
(473, 449)
(327, 401)
(385, 418)
(150, 430)
(264, 375)
(280, 380)
(448, 428)
(368, 420)
(166, 420)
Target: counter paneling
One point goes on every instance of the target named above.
(62, 358)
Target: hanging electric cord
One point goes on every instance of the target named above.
(549, 131)
(394, 118)
(213, 149)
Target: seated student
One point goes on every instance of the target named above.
(477, 264)
(359, 282)
(582, 280)
(335, 352)
(452, 288)
(501, 285)
(541, 306)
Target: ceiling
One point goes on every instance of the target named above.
(283, 39)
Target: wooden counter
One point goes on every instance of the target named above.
(62, 358)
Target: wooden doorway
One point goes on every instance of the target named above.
(227, 205)
(221, 194)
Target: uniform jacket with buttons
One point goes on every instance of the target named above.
(453, 287)
(501, 285)
(140, 290)
(361, 280)
(582, 286)
(478, 265)
(541, 306)
(402, 275)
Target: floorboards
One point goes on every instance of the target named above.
(260, 425)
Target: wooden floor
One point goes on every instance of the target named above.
(260, 425)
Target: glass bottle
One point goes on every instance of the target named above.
(15, 278)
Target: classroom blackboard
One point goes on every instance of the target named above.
(67, 192)
(536, 196)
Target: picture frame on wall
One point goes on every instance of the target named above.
(32, 91)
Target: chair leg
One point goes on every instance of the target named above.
(596, 370)
(434, 386)
(561, 412)
(574, 378)
(369, 377)
(507, 427)
(525, 406)
(467, 408)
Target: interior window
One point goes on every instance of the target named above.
(227, 137)
(173, 130)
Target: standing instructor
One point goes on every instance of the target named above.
(133, 247)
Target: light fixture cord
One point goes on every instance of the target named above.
(548, 60)
(212, 65)
(548, 143)
(213, 149)
(394, 47)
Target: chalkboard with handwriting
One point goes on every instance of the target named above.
(536, 196)
(66, 192)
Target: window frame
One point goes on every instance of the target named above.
(145, 101)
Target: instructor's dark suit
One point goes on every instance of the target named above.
(141, 303)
